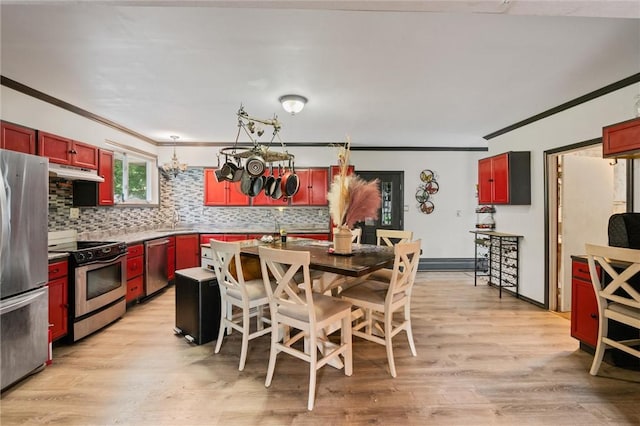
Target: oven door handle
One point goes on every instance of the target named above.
(113, 259)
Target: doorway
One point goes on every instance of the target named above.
(391, 212)
(584, 190)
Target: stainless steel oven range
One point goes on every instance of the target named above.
(97, 284)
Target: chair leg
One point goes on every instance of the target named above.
(221, 331)
(229, 317)
(597, 357)
(409, 330)
(313, 368)
(272, 354)
(347, 340)
(388, 344)
(245, 337)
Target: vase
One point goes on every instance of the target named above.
(342, 241)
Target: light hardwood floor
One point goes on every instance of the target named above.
(481, 360)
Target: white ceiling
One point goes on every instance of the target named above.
(420, 73)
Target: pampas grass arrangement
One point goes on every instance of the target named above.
(351, 198)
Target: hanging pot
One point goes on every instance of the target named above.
(276, 191)
(255, 165)
(290, 183)
(269, 183)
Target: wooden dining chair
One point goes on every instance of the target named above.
(617, 300)
(379, 303)
(295, 306)
(390, 237)
(249, 296)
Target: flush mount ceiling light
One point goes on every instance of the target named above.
(174, 166)
(293, 104)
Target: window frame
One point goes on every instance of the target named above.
(123, 154)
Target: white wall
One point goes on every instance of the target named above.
(581, 123)
(444, 234)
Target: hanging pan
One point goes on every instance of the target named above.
(245, 183)
(290, 183)
(269, 183)
(257, 183)
(276, 191)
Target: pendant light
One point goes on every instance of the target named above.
(174, 167)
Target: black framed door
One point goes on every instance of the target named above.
(391, 213)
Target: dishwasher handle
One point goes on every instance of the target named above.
(157, 243)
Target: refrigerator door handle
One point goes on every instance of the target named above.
(5, 215)
(18, 302)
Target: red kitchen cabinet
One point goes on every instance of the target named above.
(105, 170)
(135, 272)
(171, 259)
(584, 306)
(17, 138)
(505, 179)
(223, 193)
(66, 151)
(187, 251)
(58, 299)
(313, 187)
(621, 139)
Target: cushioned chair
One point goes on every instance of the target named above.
(295, 306)
(618, 300)
(249, 296)
(379, 303)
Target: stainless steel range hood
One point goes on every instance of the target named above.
(73, 173)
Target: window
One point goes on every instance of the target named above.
(135, 179)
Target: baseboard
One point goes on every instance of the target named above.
(446, 264)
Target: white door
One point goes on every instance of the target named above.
(586, 205)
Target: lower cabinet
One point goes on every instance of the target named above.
(584, 306)
(58, 299)
(171, 259)
(187, 251)
(323, 237)
(135, 272)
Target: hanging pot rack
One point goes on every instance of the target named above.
(247, 124)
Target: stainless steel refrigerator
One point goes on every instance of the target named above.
(24, 297)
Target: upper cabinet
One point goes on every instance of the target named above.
(66, 151)
(18, 138)
(505, 178)
(223, 193)
(313, 187)
(105, 170)
(621, 139)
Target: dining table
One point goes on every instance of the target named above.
(336, 269)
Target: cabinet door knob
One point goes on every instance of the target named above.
(594, 316)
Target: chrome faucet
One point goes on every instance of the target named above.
(176, 219)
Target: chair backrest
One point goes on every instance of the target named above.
(620, 264)
(356, 234)
(227, 265)
(405, 268)
(390, 237)
(288, 297)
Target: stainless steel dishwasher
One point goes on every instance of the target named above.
(156, 265)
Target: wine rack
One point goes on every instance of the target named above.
(497, 260)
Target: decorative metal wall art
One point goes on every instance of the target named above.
(426, 190)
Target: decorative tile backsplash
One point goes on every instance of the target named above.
(182, 195)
